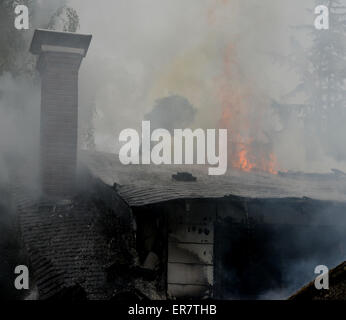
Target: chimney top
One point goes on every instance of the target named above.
(49, 38)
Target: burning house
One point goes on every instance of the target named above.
(110, 231)
(237, 236)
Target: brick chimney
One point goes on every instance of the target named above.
(60, 56)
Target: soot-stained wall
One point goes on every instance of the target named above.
(239, 248)
(274, 248)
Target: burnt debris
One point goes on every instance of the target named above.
(184, 176)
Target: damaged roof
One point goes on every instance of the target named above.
(70, 244)
(147, 184)
(336, 291)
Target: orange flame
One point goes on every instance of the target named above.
(243, 162)
(246, 152)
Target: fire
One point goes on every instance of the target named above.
(243, 162)
(252, 156)
(248, 149)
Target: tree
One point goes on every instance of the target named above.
(11, 41)
(172, 112)
(322, 69)
(14, 44)
(65, 19)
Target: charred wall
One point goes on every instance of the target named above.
(239, 248)
(151, 246)
(271, 247)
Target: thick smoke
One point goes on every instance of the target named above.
(142, 52)
(20, 103)
(19, 124)
(145, 51)
(19, 133)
